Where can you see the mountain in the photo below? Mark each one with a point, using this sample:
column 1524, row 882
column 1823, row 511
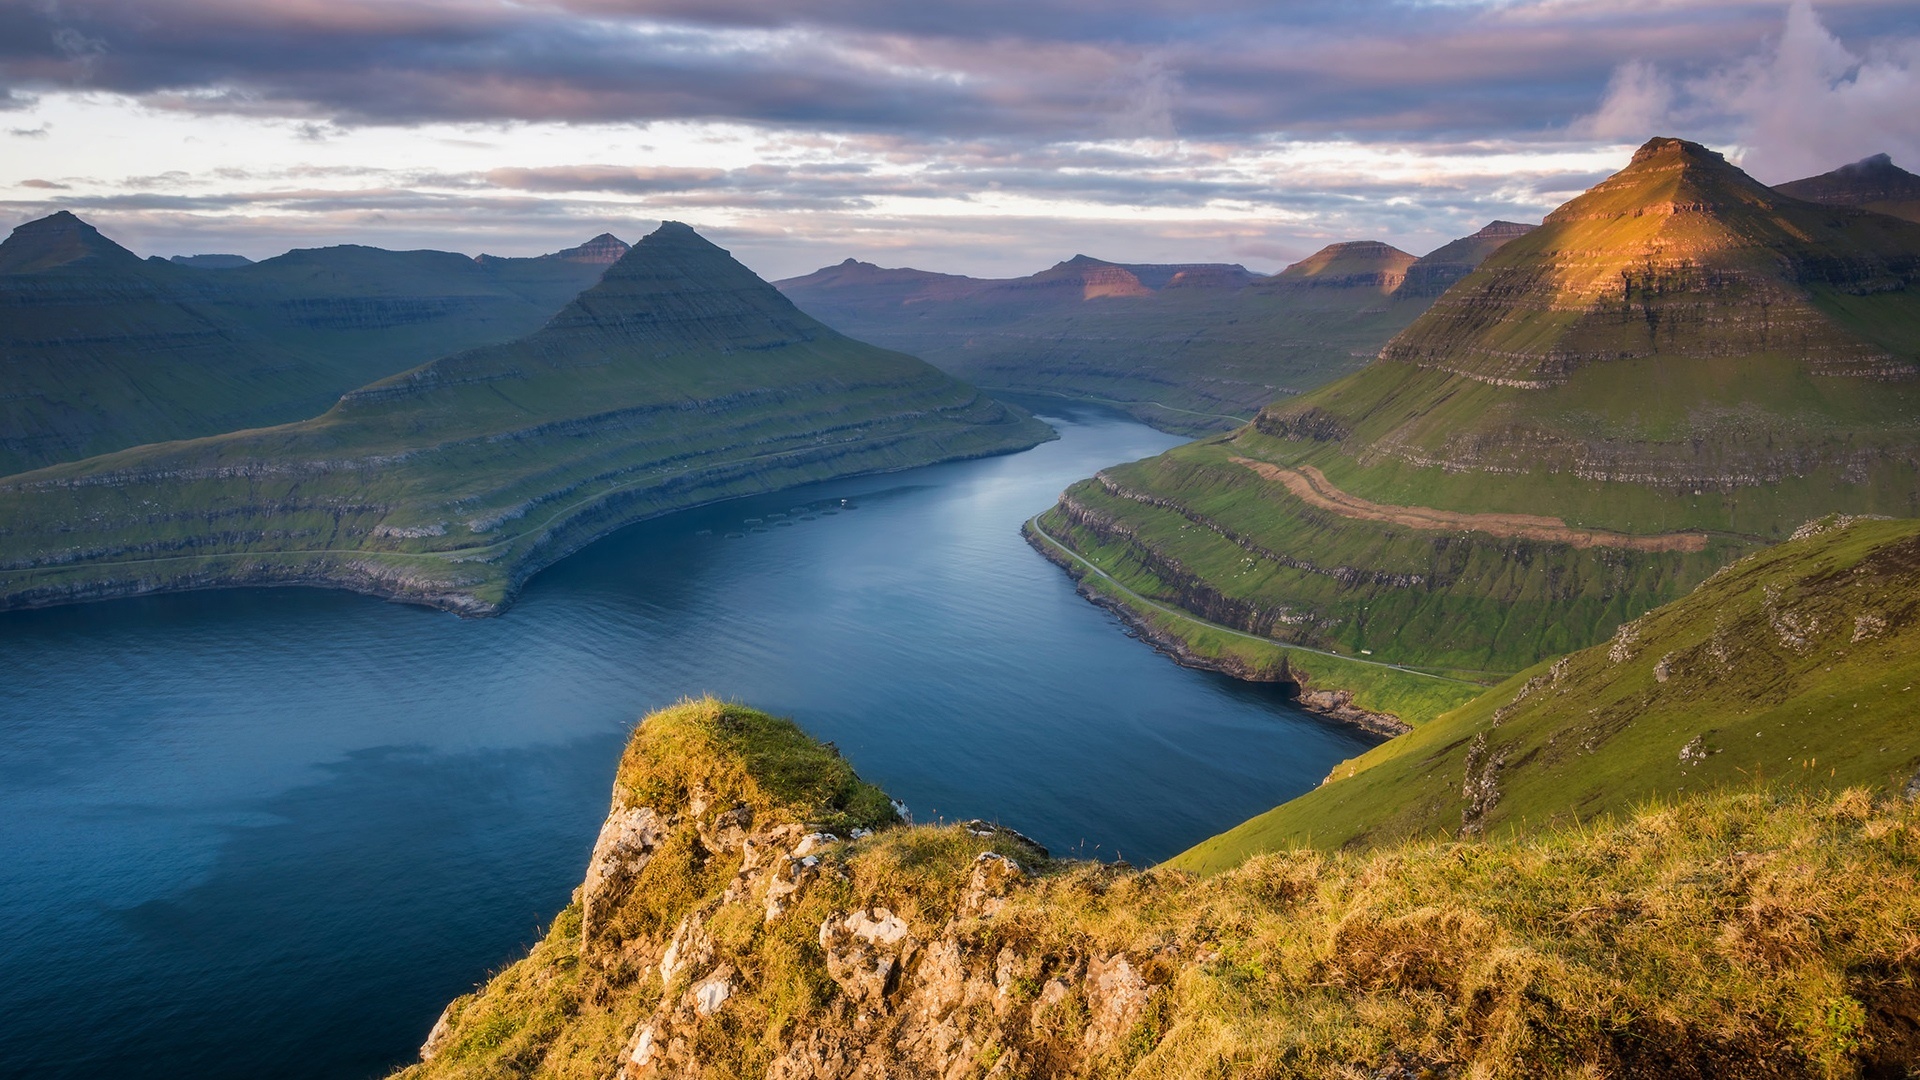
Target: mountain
column 1873, row 183
column 1191, row 347
column 603, row 250
column 211, row 262
column 752, row 908
column 679, row 379
column 101, row 350
column 1796, row 665
column 1678, row 367
column 1437, row 270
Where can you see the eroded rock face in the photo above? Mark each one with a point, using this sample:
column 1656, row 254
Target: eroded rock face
column 865, row 951
column 626, row 844
column 1117, row 998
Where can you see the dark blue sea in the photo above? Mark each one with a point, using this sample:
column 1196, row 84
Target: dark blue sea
column 264, row 833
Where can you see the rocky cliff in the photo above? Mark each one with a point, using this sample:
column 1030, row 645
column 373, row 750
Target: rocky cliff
column 752, row 909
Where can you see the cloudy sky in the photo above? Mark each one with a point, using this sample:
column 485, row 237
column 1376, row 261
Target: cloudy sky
column 980, row 136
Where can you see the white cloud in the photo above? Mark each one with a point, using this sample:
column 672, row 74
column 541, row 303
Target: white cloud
column 1805, row 104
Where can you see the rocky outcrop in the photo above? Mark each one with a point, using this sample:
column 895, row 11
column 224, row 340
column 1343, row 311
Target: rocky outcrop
column 962, row 951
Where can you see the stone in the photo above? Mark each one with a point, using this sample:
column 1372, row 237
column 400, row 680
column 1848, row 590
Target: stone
column 992, row 877
column 626, row 843
column 1117, row 997
column 713, row 991
column 866, row 950
column 690, row 947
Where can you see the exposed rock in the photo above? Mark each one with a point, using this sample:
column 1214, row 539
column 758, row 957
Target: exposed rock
column 691, row 948
column 1482, row 787
column 987, row 886
column 712, row 992
column 728, row 831
column 626, row 844
column 1694, row 752
column 1117, row 998
column 865, row 950
column 442, row 1031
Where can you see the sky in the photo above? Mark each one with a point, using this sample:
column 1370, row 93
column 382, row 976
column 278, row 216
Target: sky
column 989, row 137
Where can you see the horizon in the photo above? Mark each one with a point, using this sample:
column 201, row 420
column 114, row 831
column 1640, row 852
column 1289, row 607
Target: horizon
column 987, row 139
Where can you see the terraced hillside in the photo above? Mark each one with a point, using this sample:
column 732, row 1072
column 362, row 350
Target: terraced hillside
column 101, row 350
column 1874, row 183
column 1798, row 666
column 752, row 909
column 1679, row 367
column 1188, row 348
column 679, row 379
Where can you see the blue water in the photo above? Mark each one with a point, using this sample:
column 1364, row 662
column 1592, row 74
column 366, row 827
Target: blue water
column 271, row 832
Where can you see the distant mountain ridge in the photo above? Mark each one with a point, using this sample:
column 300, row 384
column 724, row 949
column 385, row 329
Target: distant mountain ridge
column 1190, row 347
column 1873, row 183
column 101, row 350
column 680, row 378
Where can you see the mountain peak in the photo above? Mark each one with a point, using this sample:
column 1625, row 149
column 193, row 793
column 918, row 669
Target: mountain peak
column 1502, row 230
column 56, row 240
column 1667, row 177
column 603, row 250
column 1363, row 263
column 1663, row 149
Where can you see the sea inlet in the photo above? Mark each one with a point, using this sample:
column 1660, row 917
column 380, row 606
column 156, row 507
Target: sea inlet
column 272, row 832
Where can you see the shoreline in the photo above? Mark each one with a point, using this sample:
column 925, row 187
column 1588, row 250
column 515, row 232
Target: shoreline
column 1332, row 704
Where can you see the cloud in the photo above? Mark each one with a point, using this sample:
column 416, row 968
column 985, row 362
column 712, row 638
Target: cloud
column 1067, row 69
column 1803, row 103
column 45, row 185
column 1638, row 102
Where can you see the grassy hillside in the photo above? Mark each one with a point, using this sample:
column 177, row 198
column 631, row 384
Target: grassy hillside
column 1678, row 368
column 737, row 919
column 101, row 350
column 1187, row 348
column 1797, row 666
column 679, row 379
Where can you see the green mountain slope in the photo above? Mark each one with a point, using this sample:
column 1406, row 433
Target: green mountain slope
column 1873, row 183
column 1799, row 666
column 680, row 378
column 1188, row 348
column 101, row 350
column 1676, row 368
column 738, row 919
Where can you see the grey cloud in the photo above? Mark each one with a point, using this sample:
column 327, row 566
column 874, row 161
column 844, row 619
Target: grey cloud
column 45, row 185
column 1066, row 69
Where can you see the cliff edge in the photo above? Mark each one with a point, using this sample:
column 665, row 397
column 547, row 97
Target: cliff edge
column 752, row 908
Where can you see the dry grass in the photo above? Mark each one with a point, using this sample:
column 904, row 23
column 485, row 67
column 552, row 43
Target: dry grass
column 1751, row 934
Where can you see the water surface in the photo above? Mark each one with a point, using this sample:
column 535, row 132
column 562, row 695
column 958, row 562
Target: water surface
column 270, row 832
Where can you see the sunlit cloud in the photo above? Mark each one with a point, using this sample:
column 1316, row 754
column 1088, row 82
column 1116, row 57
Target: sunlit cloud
column 983, row 136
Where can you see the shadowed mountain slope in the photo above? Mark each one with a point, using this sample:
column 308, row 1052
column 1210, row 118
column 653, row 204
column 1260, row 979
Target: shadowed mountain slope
column 1679, row 366
column 101, row 350
column 1873, row 183
column 681, row 378
column 1190, row 348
